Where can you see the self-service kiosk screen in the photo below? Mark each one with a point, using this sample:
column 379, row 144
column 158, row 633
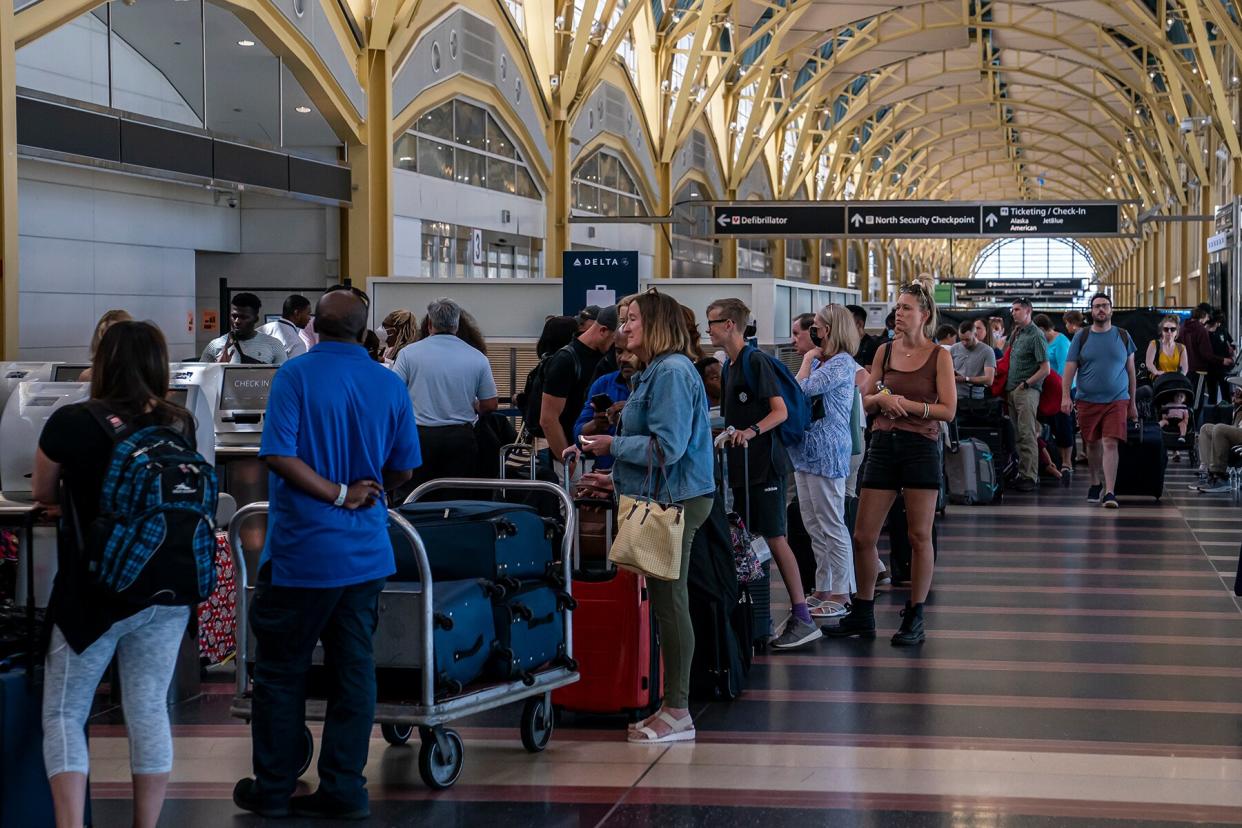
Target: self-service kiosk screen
column 178, row 396
column 246, row 389
column 68, row 373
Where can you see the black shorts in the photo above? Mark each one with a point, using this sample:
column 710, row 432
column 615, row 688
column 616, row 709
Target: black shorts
column 899, row 460
column 767, row 507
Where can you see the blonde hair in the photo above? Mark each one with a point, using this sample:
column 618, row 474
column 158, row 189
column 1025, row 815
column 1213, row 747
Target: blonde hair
column 664, row 326
column 842, row 334
column 924, row 298
column 406, row 326
column 106, row 321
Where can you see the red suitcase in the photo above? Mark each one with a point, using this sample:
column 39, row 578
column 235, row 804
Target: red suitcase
column 615, row 645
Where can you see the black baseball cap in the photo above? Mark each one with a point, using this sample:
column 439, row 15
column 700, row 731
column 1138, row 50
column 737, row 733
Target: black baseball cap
column 605, row 316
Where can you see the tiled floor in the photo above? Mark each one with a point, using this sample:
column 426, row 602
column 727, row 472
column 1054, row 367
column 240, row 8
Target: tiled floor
column 1083, row 668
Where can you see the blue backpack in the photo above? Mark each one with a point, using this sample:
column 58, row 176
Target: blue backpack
column 154, row 539
column 793, row 431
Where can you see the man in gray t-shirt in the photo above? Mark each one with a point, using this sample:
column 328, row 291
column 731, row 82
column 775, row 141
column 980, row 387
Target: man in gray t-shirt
column 243, row 344
column 974, row 362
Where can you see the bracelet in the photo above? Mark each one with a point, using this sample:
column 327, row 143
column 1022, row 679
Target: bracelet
column 926, row 410
column 340, row 498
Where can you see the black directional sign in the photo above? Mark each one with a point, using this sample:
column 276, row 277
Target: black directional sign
column 894, row 219
column 1010, row 285
column 778, row 220
column 916, row 219
column 1035, row 219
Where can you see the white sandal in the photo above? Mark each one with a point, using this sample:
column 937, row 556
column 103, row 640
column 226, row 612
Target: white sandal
column 681, row 730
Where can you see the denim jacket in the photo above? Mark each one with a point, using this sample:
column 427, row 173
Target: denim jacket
column 669, row 403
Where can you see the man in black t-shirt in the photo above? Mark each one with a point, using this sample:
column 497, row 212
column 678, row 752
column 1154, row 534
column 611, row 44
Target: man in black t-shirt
column 754, row 411
column 867, row 344
column 567, row 378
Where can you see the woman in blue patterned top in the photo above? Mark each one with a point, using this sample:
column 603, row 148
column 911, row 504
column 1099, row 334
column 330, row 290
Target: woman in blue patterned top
column 822, row 461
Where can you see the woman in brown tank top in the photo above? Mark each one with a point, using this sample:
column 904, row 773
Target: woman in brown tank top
column 910, row 390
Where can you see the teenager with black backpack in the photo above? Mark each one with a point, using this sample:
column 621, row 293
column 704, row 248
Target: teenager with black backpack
column 137, row 540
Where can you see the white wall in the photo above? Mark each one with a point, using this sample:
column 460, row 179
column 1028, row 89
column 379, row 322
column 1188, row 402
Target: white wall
column 285, row 246
column 93, row 240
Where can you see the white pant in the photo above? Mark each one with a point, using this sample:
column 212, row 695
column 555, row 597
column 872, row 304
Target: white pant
column 822, row 503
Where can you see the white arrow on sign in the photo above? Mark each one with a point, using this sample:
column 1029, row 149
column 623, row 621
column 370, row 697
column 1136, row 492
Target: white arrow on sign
column 857, row 219
column 991, row 219
column 723, row 220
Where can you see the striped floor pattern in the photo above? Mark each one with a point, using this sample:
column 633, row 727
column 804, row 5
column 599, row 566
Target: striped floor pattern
column 1083, row 668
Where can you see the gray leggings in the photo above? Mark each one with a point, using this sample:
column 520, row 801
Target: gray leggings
column 146, row 645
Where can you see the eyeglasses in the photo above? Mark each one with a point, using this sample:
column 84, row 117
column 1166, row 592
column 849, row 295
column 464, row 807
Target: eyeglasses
column 711, row 322
column 1169, row 330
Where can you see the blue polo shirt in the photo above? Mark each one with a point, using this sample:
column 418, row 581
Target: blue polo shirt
column 348, row 418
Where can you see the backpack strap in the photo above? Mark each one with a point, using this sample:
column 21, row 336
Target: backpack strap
column 112, row 425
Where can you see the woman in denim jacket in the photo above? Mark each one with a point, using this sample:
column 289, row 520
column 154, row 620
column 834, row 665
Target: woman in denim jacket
column 669, row 405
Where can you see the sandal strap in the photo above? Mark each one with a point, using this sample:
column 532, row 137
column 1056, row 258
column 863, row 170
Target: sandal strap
column 675, row 725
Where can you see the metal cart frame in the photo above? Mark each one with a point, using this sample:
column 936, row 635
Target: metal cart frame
column 442, row 754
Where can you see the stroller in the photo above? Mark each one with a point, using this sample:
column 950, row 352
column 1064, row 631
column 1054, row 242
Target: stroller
column 1163, row 392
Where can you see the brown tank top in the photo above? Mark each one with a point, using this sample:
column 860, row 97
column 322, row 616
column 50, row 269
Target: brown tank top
column 918, row 385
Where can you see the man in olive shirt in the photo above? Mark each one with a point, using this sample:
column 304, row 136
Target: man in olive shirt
column 1028, row 365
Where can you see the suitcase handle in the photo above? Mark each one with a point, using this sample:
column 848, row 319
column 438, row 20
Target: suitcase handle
column 532, row 623
column 458, row 655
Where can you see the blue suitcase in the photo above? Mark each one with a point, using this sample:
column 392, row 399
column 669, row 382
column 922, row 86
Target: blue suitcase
column 530, row 630
column 501, row 542
column 25, row 797
column 465, row 635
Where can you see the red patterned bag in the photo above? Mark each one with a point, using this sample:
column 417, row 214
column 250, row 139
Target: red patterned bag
column 216, row 615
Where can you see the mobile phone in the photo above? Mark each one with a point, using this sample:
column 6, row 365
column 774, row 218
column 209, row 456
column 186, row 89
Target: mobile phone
column 601, row 402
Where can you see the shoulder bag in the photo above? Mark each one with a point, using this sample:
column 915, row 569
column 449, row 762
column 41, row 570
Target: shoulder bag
column 649, row 533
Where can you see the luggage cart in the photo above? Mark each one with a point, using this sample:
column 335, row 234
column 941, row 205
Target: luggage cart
column 442, row 754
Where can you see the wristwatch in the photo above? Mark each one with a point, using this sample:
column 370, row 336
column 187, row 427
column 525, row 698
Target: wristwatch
column 340, row 498
column 755, row 428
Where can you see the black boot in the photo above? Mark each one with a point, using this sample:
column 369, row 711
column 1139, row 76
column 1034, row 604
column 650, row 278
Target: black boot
column 859, row 621
column 911, row 631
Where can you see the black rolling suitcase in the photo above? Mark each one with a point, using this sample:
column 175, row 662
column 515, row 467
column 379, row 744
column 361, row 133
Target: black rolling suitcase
column 899, row 551
column 720, row 612
column 800, row 542
column 760, row 589
column 1141, row 461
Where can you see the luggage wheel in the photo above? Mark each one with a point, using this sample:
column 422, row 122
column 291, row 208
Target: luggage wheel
column 443, row 621
column 308, row 746
column 441, row 757
column 537, row 723
column 396, row 734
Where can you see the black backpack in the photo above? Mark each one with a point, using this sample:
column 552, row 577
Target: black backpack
column 531, row 398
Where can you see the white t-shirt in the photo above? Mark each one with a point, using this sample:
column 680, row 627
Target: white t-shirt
column 289, row 334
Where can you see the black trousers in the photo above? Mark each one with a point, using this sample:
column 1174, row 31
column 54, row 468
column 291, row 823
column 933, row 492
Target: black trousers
column 286, row 623
column 448, row 451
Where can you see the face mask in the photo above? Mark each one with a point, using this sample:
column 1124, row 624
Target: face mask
column 816, row 339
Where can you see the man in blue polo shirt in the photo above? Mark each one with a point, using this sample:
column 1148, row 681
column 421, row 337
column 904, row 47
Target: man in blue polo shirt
column 332, row 454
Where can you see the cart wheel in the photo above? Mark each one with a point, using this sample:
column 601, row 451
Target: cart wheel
column 536, row 725
column 396, row 734
column 437, row 770
column 308, row 746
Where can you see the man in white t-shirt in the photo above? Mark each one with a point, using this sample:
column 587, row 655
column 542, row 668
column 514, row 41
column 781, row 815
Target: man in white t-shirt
column 290, row 327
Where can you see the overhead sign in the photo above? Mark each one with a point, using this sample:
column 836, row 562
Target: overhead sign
column 776, row 220
column 1018, row 286
column 1036, row 219
column 913, row 220
column 917, row 219
column 597, row 277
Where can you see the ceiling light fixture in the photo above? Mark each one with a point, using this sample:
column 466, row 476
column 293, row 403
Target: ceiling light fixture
column 302, row 110
column 246, row 43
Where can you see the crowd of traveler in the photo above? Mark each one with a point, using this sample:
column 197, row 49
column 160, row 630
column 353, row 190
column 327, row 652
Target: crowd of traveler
column 616, row 385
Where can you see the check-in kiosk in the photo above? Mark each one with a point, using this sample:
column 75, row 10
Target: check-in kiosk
column 13, row 374
column 28, row 409
column 196, row 387
column 240, row 408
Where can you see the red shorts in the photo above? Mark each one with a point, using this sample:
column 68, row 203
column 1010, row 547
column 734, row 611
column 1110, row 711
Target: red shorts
column 1099, row 420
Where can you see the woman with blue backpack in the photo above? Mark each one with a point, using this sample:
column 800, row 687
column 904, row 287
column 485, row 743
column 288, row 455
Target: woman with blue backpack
column 139, row 608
